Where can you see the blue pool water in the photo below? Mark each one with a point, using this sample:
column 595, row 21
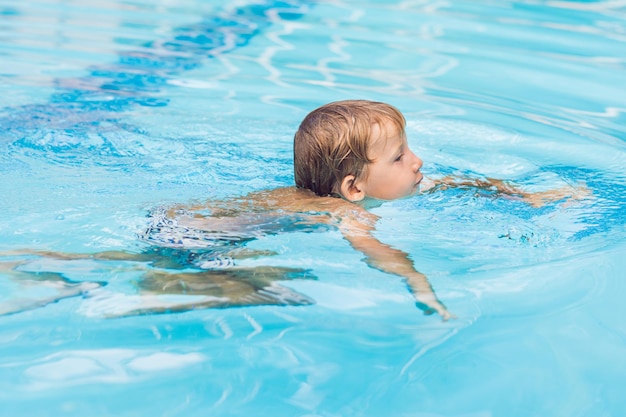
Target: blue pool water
column 112, row 108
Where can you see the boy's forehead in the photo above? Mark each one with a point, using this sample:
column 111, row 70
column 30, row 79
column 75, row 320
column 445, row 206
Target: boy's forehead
column 385, row 134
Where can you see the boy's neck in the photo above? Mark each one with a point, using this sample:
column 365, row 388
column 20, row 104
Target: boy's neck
column 369, row 203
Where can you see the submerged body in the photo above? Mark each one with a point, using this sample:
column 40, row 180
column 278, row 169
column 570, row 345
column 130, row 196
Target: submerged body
column 194, row 250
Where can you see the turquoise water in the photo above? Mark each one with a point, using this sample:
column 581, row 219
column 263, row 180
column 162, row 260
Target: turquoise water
column 111, row 109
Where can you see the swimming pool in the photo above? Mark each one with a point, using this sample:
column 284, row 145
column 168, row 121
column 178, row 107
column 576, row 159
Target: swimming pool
column 114, row 108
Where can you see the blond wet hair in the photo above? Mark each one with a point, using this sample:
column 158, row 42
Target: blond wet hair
column 332, row 142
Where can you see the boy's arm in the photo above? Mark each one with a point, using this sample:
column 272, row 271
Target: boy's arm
column 535, row 199
column 388, row 259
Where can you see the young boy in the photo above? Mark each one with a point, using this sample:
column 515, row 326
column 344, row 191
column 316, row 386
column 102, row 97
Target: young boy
column 347, row 154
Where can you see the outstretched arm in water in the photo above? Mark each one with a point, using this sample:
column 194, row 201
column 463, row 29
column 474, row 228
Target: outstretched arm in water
column 511, row 190
column 393, row 261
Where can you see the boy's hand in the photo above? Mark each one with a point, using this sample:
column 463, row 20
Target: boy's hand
column 429, row 304
column 541, row 198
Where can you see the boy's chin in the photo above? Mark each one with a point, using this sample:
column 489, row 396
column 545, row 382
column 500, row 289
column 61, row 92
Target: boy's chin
column 417, row 188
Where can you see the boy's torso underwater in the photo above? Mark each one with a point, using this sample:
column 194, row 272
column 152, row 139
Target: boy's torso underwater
column 192, row 258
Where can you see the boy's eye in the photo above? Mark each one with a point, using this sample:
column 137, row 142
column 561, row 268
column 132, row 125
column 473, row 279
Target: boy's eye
column 399, row 158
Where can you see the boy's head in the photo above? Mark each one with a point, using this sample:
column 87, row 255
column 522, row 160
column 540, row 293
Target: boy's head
column 337, row 144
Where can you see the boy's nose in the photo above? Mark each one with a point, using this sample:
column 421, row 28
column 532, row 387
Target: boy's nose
column 417, row 163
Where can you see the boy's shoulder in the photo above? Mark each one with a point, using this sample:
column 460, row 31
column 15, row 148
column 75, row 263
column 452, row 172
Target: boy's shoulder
column 349, row 217
column 301, row 200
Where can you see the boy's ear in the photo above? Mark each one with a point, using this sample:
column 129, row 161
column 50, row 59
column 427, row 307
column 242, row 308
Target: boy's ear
column 350, row 189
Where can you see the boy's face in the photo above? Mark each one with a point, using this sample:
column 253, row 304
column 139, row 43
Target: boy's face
column 395, row 172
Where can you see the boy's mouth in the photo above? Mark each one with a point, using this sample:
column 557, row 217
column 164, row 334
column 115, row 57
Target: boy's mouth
column 416, row 186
